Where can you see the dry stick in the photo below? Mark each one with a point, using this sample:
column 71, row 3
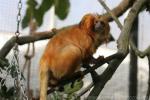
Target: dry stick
column 123, row 43
column 111, row 14
column 139, row 53
column 23, row 40
column 120, row 9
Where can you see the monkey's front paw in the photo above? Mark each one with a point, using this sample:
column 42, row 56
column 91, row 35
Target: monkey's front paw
column 100, row 59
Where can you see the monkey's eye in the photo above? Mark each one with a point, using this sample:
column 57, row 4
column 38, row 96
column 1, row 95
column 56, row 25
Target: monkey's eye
column 96, row 21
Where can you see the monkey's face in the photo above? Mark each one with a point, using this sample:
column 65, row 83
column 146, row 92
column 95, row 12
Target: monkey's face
column 93, row 22
column 98, row 25
column 101, row 26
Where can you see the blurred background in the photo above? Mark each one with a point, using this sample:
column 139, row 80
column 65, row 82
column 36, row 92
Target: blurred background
column 117, row 87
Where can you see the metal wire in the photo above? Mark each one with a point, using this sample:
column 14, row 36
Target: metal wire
column 18, row 81
column 18, row 17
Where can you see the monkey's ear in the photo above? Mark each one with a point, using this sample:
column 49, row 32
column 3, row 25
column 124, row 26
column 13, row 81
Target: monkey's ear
column 82, row 22
column 87, row 23
column 110, row 38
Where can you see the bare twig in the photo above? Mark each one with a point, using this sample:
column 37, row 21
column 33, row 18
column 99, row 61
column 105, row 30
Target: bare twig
column 120, row 9
column 139, row 53
column 111, row 13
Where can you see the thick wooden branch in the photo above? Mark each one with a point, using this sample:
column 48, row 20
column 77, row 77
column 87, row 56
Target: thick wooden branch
column 111, row 14
column 123, row 41
column 23, row 40
column 148, row 90
column 120, row 9
column 142, row 54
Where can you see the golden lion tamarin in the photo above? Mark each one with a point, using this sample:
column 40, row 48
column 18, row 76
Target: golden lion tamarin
column 69, row 48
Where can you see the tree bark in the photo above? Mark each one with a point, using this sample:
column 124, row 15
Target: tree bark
column 133, row 71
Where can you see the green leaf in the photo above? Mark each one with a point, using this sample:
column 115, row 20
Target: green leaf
column 62, row 8
column 3, row 63
column 4, row 89
column 10, row 92
column 44, row 7
column 77, row 86
column 32, row 4
column 26, row 19
column 30, row 12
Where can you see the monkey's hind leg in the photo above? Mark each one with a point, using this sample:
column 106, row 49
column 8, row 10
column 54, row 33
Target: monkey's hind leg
column 43, row 83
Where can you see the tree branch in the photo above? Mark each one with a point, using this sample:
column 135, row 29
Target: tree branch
column 148, row 90
column 139, row 53
column 111, row 14
column 23, row 40
column 142, row 54
column 125, row 33
column 120, row 9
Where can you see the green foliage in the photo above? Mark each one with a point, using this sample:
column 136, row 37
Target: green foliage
column 37, row 11
column 3, row 63
column 71, row 90
column 76, row 87
column 62, row 8
column 30, row 12
column 7, row 93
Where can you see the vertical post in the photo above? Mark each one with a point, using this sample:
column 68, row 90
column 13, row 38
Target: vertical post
column 133, row 70
column 52, row 17
column 148, row 90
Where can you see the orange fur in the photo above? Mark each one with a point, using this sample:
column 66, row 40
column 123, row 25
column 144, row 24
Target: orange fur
column 67, row 49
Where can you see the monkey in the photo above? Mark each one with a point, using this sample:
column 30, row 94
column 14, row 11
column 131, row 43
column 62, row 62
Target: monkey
column 70, row 47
